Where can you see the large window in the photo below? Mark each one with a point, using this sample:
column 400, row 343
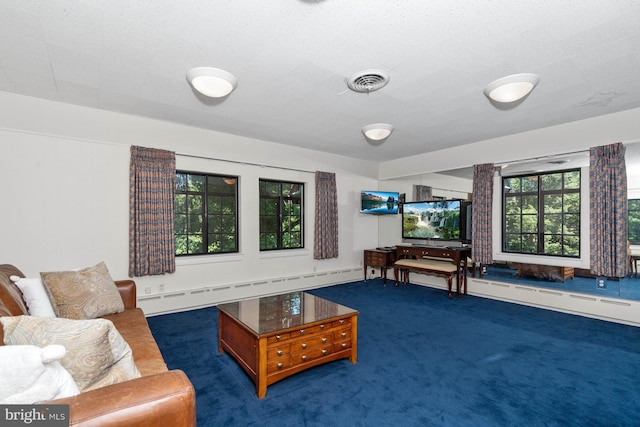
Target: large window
column 634, row 221
column 206, row 214
column 281, row 215
column 542, row 214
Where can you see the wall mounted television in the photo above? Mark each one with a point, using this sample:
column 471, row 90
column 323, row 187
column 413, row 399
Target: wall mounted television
column 433, row 220
column 379, row 202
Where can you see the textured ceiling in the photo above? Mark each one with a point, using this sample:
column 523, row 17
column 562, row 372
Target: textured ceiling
column 292, row 57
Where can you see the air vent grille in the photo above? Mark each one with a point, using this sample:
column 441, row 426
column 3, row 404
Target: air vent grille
column 368, row 81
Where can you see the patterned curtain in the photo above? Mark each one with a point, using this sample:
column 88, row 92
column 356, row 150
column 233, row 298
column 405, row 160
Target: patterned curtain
column 326, row 228
column 152, row 175
column 609, row 217
column 481, row 222
column 422, row 193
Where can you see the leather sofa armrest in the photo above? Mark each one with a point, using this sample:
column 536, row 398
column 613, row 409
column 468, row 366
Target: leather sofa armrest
column 127, row 289
column 166, row 399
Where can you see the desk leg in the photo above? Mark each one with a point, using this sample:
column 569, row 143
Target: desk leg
column 395, row 274
column 464, row 275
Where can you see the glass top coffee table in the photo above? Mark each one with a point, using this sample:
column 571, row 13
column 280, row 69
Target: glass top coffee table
column 277, row 336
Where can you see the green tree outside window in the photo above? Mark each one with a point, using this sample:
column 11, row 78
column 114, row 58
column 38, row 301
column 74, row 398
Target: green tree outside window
column 542, row 214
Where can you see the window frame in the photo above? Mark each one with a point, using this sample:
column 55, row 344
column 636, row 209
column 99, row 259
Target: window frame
column 630, row 234
column 206, row 215
column 279, row 220
column 541, row 213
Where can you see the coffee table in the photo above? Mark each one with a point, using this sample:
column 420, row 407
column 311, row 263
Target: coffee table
column 278, row 336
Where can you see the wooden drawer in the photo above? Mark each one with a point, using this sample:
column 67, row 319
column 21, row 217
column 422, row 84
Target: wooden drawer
column 343, row 334
column 279, row 351
column 278, row 338
column 278, row 364
column 311, row 342
column 341, row 323
column 342, row 345
column 310, row 330
column 311, row 354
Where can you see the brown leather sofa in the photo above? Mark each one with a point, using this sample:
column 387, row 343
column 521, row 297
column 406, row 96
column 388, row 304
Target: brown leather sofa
column 158, row 397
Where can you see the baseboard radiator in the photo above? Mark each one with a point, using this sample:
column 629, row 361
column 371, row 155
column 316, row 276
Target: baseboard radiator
column 206, row 296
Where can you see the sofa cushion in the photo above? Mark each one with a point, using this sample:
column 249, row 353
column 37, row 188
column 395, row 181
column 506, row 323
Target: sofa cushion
column 97, row 355
column 84, row 294
column 34, row 295
column 134, row 328
column 31, row 374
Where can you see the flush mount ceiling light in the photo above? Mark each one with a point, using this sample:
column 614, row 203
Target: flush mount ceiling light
column 377, row 131
column 511, row 88
column 212, row 82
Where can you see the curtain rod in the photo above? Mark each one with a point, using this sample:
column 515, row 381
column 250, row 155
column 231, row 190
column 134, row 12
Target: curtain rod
column 531, row 159
column 239, row 162
column 551, row 156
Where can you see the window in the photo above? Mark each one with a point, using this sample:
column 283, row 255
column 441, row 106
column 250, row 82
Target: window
column 206, row 214
column 634, row 221
column 281, row 215
column 542, row 214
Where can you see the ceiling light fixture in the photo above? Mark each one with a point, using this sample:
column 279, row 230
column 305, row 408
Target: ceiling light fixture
column 212, row 82
column 377, row 131
column 511, row 88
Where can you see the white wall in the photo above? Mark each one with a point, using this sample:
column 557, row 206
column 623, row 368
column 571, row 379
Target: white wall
column 565, row 138
column 65, row 172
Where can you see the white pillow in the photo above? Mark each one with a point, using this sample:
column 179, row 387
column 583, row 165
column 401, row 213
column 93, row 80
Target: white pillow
column 35, row 296
column 31, row 374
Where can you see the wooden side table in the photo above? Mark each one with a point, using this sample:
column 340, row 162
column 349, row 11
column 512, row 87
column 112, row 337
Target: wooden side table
column 379, row 258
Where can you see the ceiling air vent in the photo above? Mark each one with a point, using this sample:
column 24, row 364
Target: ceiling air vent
column 368, row 81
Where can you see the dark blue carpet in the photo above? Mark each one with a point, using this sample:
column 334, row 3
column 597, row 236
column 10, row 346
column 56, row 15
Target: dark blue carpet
column 425, row 360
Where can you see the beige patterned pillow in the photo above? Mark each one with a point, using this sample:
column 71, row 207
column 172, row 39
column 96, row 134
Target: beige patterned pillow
column 83, row 294
column 97, row 355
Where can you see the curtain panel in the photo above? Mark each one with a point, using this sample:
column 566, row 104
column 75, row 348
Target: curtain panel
column 422, row 193
column 481, row 222
column 152, row 175
column 325, row 244
column 608, row 210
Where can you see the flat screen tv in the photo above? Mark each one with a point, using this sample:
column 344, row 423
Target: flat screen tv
column 379, row 202
column 435, row 219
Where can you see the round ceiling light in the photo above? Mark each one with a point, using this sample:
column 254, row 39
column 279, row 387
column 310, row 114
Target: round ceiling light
column 511, row 88
column 377, row 131
column 212, row 82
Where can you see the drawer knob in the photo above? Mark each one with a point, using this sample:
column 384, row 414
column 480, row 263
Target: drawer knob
column 324, row 352
column 278, row 337
column 344, row 335
column 304, row 345
column 279, row 352
column 304, row 358
column 324, row 340
column 344, row 345
column 301, row 331
column 342, row 321
column 321, row 326
column 280, row 365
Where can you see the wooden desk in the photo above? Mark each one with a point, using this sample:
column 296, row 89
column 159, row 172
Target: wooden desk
column 458, row 257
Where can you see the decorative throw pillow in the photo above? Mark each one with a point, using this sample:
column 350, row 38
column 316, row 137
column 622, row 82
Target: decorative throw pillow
column 83, row 294
column 31, row 374
column 35, row 296
column 97, row 355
